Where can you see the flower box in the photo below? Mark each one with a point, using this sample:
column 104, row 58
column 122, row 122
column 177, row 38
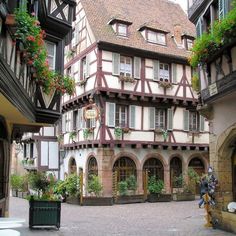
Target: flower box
column 159, row 197
column 130, row 199
column 97, row 201
column 127, row 79
column 165, row 84
column 183, row 196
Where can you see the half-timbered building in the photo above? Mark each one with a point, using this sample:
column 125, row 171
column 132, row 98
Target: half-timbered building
column 24, row 107
column 217, row 81
column 134, row 108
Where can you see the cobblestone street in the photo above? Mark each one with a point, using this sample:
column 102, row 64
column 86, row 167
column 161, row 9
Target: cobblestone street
column 171, row 219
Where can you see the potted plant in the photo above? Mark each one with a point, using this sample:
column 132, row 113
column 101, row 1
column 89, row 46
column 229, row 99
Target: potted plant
column 23, row 186
column 127, row 191
column 165, row 83
column 45, row 208
column 94, row 189
column 15, row 181
column 72, row 184
column 87, row 132
column 127, row 79
column 118, row 132
column 155, row 187
column 72, row 135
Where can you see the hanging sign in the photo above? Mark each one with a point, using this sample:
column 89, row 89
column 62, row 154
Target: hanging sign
column 91, row 111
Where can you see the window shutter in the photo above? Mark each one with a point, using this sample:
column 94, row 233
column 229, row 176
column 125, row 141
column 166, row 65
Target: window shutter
column 169, row 119
column 63, row 123
column 152, row 117
column 79, row 70
column 199, row 28
column 202, row 124
column 111, row 114
column 132, row 117
column 115, row 64
column 137, row 67
column 186, row 120
column 155, row 70
column 78, row 122
column 174, row 73
column 71, row 120
column 221, row 9
column 87, row 65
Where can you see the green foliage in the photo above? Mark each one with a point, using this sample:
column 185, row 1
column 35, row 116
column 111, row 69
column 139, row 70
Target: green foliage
column 178, row 181
column 131, row 183
column 193, row 179
column 72, row 183
column 31, row 37
column 222, row 33
column 60, row 188
column 15, row 181
column 72, row 135
column 123, row 188
column 155, row 185
column 195, row 82
column 38, row 181
column 94, row 185
column 118, row 132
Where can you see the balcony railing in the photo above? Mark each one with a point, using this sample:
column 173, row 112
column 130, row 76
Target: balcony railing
column 220, row 88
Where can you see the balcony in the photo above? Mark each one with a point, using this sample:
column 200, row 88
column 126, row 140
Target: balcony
column 196, row 8
column 220, row 88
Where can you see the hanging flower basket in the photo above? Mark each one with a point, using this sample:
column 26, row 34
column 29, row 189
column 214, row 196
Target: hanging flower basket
column 165, row 84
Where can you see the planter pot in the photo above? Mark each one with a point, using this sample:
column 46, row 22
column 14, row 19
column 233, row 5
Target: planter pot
column 24, row 194
column 159, row 198
column 73, row 200
column 14, row 193
column 130, row 199
column 20, row 194
column 44, row 213
column 97, row 201
column 183, row 197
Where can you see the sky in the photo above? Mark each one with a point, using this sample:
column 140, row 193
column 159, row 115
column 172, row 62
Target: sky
column 182, row 3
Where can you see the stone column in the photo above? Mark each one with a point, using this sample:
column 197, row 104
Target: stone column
column 104, row 157
column 167, row 179
column 140, row 181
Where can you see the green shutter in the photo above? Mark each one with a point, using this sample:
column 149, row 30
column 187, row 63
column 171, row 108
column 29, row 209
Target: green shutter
column 87, row 66
column 132, row 117
column 202, row 124
column 174, row 73
column 170, row 119
column 111, row 114
column 221, row 9
column 115, row 64
column 137, row 67
column 199, row 28
column 63, row 123
column 155, row 70
column 186, row 121
column 152, row 117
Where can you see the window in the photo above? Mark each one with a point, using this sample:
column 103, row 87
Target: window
column 154, row 167
column 51, row 54
column 84, row 67
column 156, row 37
column 160, row 118
column 68, row 121
column 92, row 167
column 75, row 119
column 193, row 121
column 121, row 116
column 164, row 72
column 126, row 66
column 189, row 44
column 122, row 29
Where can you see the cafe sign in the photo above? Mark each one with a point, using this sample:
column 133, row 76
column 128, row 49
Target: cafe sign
column 91, row 111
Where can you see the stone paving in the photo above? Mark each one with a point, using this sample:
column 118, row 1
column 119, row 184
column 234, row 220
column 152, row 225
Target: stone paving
column 146, row 219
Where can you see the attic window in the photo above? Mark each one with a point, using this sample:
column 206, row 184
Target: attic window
column 122, row 29
column 189, row 44
column 156, row 37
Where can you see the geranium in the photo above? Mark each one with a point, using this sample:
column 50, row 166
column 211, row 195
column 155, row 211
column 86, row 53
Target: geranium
column 31, row 36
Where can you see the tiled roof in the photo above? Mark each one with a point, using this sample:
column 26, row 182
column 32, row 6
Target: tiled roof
column 140, row 13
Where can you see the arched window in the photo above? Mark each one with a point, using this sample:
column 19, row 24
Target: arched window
column 125, row 167
column 154, row 167
column 175, row 169
column 92, row 167
column 72, row 166
column 197, row 165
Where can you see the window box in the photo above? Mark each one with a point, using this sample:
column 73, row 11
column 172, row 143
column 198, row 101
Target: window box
column 165, row 84
column 159, row 197
column 126, row 130
column 126, row 79
column 97, row 201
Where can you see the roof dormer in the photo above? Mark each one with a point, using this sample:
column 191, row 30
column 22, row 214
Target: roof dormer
column 154, row 35
column 120, row 26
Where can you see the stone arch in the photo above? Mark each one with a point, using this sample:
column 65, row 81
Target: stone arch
column 154, row 167
column 201, row 158
column 225, row 161
column 154, row 155
column 72, row 166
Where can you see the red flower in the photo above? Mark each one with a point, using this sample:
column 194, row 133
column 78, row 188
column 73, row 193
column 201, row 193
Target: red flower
column 30, row 38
